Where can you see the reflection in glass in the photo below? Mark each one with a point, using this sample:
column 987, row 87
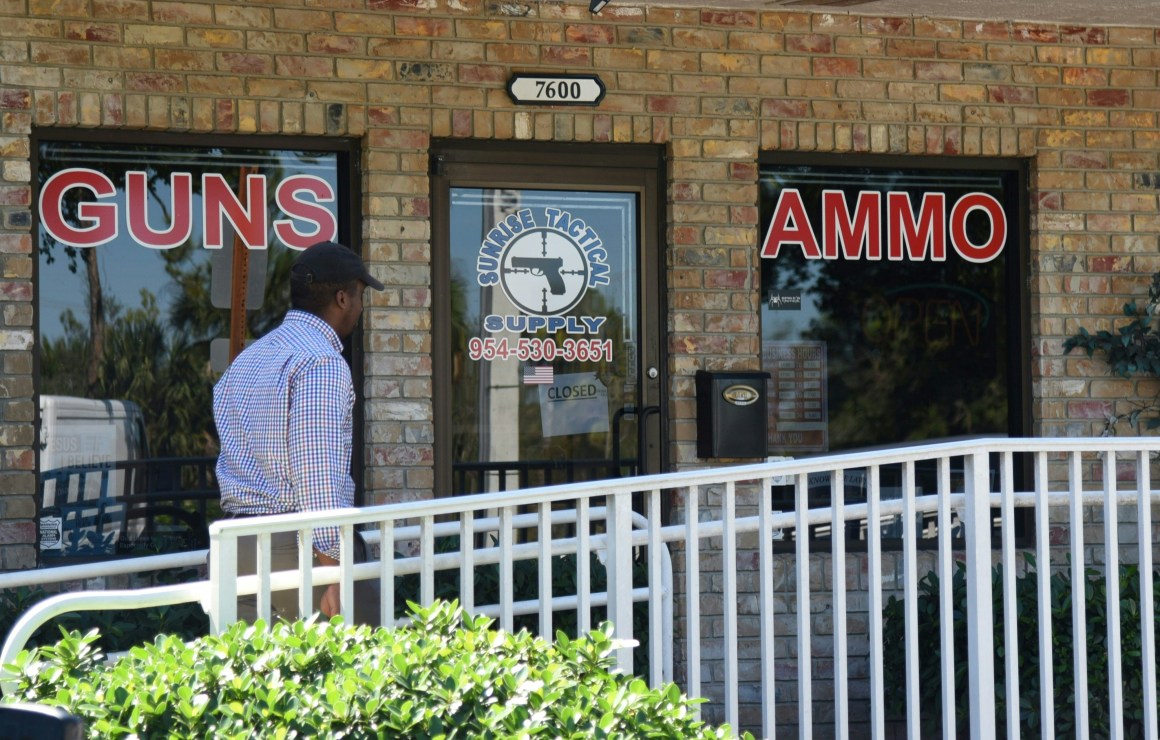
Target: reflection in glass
column 869, row 352
column 878, row 351
column 543, row 292
column 129, row 322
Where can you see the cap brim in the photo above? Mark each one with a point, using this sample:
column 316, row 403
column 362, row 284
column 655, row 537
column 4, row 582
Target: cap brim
column 371, row 282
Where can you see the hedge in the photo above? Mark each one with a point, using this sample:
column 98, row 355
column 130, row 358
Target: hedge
column 1027, row 611
column 447, row 675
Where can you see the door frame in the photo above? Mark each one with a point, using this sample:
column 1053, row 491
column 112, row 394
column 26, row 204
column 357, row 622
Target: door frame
column 640, row 168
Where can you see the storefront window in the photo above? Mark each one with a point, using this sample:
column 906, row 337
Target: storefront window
column 891, row 305
column 157, row 262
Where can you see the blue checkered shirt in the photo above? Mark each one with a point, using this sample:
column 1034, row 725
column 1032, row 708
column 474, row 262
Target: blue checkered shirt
column 284, row 413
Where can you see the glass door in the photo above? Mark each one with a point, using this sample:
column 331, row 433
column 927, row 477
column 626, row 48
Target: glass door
column 547, row 351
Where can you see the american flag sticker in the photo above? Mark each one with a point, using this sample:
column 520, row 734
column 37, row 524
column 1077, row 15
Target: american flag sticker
column 538, row 375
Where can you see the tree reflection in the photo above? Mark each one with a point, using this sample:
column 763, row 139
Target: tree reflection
column 915, row 349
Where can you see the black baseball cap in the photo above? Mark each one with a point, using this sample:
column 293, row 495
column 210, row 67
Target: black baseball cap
column 331, row 262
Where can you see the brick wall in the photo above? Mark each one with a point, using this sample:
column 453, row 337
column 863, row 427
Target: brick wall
column 716, row 88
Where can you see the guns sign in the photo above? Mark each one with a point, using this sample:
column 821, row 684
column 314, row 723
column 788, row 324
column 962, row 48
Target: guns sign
column 544, row 266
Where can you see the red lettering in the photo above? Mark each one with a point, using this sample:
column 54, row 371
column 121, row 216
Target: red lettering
column 325, row 227
column 990, row 249
column 180, row 206
column 247, row 215
column 301, row 198
column 929, row 231
column 866, row 228
column 909, row 236
column 102, row 217
column 790, row 206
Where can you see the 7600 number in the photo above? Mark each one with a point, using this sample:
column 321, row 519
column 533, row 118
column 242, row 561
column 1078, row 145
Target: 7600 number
column 558, row 90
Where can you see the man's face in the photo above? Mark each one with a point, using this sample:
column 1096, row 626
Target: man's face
column 352, row 308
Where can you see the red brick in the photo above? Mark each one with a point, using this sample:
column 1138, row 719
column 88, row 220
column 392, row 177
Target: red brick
column 17, row 532
column 185, row 14
column 15, row 196
column 16, row 290
column 1085, row 160
column 672, row 104
column 836, row 67
column 569, row 55
column 1109, row 98
column 887, row 26
column 226, row 115
column 102, row 32
column 1089, row 409
column 727, row 279
column 408, row 26
column 735, row 18
column 16, row 99
column 1109, row 263
column 743, row 171
column 590, row 34
column 489, row 74
column 811, row 44
column 382, row 116
column 154, row 83
column 332, row 44
column 1083, row 35
column 420, row 5
column 686, row 235
column 1011, row 94
column 1049, row 201
column 1035, row 33
column 297, row 66
column 993, row 30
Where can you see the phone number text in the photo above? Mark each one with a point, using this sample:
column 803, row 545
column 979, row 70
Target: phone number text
column 539, row 350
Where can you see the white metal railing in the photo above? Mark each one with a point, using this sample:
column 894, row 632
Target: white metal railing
column 102, row 568
column 425, row 564
column 776, row 601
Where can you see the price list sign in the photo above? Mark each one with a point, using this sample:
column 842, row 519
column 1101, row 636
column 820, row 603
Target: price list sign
column 798, row 414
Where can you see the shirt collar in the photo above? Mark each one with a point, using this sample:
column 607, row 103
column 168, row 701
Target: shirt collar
column 308, row 319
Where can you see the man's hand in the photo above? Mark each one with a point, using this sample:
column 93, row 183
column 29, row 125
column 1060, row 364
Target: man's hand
column 330, row 604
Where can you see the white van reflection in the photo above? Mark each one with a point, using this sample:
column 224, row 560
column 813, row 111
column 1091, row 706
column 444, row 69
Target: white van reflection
column 81, row 440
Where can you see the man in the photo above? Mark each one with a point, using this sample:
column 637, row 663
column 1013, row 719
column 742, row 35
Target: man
column 284, row 414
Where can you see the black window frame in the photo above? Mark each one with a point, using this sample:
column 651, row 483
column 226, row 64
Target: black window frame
column 1017, row 300
column 348, row 153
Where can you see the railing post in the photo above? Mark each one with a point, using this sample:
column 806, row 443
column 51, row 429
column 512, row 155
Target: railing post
column 980, row 612
column 223, row 581
column 619, row 569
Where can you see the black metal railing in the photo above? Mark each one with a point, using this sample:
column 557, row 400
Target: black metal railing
column 128, row 507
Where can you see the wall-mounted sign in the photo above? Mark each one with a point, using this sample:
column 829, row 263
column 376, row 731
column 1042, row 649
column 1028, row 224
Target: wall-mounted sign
column 562, row 89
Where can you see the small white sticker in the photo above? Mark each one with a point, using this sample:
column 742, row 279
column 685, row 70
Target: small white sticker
column 51, row 533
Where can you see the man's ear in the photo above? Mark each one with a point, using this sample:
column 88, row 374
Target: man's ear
column 341, row 298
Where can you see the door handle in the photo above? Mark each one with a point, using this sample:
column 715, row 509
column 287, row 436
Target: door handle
column 641, row 415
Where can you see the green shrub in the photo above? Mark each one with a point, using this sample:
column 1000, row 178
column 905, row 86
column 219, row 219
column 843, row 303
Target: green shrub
column 447, row 675
column 1027, row 608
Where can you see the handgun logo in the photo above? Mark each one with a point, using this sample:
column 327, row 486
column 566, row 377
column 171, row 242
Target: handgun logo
column 543, row 272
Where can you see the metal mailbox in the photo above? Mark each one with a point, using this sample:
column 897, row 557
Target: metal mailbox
column 732, row 414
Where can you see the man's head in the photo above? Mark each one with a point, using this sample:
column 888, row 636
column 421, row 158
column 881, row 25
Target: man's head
column 327, row 280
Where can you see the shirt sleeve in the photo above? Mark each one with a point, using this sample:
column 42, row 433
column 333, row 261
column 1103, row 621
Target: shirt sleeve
column 319, row 442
